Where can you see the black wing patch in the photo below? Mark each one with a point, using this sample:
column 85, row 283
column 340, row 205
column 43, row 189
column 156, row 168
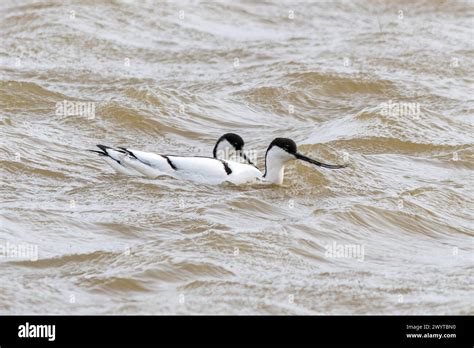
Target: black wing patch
column 226, row 167
column 124, row 150
column 105, row 153
column 169, row 162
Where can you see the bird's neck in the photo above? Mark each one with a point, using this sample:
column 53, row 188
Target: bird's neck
column 274, row 173
column 215, row 154
column 222, row 150
column 275, row 161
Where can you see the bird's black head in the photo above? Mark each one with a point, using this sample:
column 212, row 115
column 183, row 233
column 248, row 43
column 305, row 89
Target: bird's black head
column 285, row 144
column 289, row 146
column 235, row 140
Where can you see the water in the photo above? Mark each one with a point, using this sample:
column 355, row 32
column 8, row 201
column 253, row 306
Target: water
column 391, row 234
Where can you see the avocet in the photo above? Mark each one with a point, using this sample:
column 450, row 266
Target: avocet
column 211, row 170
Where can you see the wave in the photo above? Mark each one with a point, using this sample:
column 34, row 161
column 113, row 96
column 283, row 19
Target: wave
column 425, row 128
column 68, row 260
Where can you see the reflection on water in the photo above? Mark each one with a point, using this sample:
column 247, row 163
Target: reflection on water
column 386, row 86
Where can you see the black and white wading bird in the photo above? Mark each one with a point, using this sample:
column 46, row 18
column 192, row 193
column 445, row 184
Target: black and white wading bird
column 211, row 170
column 230, row 146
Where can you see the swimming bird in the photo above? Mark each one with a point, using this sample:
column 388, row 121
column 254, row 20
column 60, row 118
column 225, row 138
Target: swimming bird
column 279, row 153
column 210, row 170
column 228, row 146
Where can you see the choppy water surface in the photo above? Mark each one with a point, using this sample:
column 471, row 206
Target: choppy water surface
column 173, row 77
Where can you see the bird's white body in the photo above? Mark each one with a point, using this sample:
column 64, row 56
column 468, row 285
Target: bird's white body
column 209, row 170
column 120, row 168
column 199, row 169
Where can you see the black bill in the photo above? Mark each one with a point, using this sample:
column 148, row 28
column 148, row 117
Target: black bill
column 310, row 160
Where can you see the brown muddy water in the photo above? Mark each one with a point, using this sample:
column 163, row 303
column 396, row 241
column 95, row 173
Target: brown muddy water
column 387, row 86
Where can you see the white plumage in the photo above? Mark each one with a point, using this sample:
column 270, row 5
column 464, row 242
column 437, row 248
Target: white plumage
column 207, row 169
